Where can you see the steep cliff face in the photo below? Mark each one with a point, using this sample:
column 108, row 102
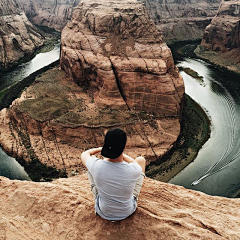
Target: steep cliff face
column 64, row 209
column 18, row 37
column 223, row 33
column 118, row 73
column 51, row 13
column 181, row 20
column 116, row 49
column 223, row 36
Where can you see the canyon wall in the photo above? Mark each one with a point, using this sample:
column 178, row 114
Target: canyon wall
column 177, row 20
column 18, row 37
column 117, row 73
column 64, row 209
column 222, row 37
column 181, row 20
column 114, row 48
column 50, row 13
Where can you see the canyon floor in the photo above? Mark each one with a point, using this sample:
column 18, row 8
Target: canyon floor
column 54, row 101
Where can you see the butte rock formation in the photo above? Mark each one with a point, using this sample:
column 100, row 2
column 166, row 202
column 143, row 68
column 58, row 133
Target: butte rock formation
column 118, row 72
column 50, row 13
column 181, row 20
column 113, row 47
column 222, row 37
column 18, row 37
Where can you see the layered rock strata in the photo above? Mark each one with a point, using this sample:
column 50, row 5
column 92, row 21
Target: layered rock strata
column 222, row 37
column 18, row 37
column 113, row 47
column 64, row 209
column 117, row 73
column 55, row 120
column 181, row 20
column 50, row 13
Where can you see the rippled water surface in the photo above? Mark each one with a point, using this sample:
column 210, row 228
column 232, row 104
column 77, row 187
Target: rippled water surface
column 9, row 167
column 216, row 170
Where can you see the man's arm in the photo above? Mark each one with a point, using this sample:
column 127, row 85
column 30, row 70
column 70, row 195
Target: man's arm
column 140, row 160
column 127, row 158
column 86, row 154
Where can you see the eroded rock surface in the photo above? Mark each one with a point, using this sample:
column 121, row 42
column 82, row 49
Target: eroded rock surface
column 50, row 13
column 18, row 37
column 181, row 20
column 222, row 37
column 64, row 209
column 113, row 47
column 55, row 120
column 117, row 73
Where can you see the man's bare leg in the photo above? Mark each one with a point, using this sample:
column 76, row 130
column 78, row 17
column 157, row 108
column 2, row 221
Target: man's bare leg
column 142, row 162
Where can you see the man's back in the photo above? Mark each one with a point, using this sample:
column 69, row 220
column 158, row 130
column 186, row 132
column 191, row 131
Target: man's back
column 115, row 182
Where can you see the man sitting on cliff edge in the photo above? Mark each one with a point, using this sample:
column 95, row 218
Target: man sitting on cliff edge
column 116, row 181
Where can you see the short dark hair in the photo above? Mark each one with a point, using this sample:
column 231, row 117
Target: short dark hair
column 114, row 143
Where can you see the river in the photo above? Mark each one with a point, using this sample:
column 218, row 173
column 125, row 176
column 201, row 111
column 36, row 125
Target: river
column 9, row 167
column 218, row 95
column 216, row 170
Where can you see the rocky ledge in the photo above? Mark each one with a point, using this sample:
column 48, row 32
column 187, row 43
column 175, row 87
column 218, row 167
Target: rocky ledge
column 64, row 209
column 18, row 37
column 221, row 41
column 117, row 73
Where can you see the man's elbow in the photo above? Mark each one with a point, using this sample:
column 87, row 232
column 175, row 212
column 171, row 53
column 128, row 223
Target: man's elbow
column 83, row 158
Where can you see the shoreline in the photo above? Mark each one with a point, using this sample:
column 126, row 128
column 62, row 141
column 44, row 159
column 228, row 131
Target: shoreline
column 171, row 167
column 220, row 60
column 194, row 133
column 195, row 127
column 50, row 40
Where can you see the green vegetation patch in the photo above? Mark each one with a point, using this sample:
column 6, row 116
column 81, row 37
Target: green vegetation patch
column 192, row 73
column 99, row 117
column 44, row 109
column 53, row 97
column 3, row 93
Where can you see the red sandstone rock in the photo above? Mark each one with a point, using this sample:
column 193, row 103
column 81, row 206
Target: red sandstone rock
column 49, row 13
column 64, row 209
column 127, row 79
column 223, row 33
column 28, row 130
column 222, row 37
column 114, row 47
column 18, row 37
column 181, row 20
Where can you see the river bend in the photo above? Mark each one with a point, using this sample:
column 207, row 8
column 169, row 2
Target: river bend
column 218, row 162
column 9, row 167
column 218, row 95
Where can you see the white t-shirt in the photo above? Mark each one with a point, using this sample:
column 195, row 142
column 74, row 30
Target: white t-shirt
column 115, row 183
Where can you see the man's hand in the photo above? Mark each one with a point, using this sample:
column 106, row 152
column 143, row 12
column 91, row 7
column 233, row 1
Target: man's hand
column 86, row 154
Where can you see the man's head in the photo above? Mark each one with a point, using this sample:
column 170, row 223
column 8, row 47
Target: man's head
column 114, row 143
